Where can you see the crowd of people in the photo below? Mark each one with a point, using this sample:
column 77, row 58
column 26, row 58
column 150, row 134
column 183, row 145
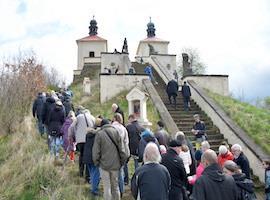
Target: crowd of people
column 166, row 167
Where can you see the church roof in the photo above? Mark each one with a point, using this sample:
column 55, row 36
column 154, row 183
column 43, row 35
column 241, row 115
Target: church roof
column 91, row 38
column 153, row 39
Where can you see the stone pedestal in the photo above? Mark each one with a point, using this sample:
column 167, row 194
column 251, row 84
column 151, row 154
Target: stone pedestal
column 86, row 86
column 137, row 106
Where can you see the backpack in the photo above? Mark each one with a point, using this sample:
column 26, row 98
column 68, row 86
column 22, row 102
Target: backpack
column 246, row 195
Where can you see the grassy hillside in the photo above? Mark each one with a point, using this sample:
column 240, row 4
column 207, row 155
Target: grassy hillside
column 28, row 171
column 255, row 121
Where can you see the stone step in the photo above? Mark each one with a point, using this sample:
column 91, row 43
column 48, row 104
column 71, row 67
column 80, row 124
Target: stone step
column 209, row 137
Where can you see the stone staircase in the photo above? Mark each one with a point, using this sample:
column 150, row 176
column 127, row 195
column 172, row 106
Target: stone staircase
column 184, row 119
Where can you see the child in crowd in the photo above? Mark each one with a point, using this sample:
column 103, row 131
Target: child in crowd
column 266, row 164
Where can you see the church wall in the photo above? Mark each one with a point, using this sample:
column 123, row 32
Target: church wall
column 112, row 85
column 160, row 47
column 215, row 83
column 85, row 47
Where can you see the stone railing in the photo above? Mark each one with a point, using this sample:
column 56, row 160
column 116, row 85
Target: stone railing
column 229, row 129
column 161, row 108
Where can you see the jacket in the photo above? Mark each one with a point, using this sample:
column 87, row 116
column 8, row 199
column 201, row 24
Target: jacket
column 243, row 163
column 200, row 127
column 146, row 137
column 186, row 91
column 214, row 185
column 64, row 132
column 134, row 135
column 38, row 106
column 118, row 110
column 151, row 181
column 175, row 166
column 49, row 104
column 222, row 158
column 162, row 137
column 105, row 153
column 267, row 181
column 198, row 174
column 88, row 147
column 80, row 125
column 172, row 87
column 245, row 187
column 56, row 119
column 68, row 106
column 124, row 135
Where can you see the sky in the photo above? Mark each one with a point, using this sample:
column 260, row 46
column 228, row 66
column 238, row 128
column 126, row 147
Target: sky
column 232, row 36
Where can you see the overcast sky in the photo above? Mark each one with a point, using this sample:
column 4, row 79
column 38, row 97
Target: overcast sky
column 232, row 36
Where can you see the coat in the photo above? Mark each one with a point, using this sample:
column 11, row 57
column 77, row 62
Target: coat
column 172, row 87
column 118, row 110
column 134, row 135
column 38, row 106
column 146, row 137
column 56, row 119
column 80, row 125
column 105, row 153
column 151, row 181
column 222, row 158
column 198, row 174
column 48, row 105
column 243, row 163
column 214, row 185
column 175, row 166
column 162, row 137
column 88, row 147
column 244, row 186
column 68, row 106
column 186, row 91
column 124, row 135
column 64, row 132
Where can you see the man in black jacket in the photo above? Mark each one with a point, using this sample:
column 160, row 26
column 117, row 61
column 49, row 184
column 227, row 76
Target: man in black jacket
column 240, row 159
column 175, row 166
column 214, row 184
column 172, row 90
column 152, row 180
column 186, row 95
column 37, row 111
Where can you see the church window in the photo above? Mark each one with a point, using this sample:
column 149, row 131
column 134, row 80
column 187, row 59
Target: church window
column 91, row 54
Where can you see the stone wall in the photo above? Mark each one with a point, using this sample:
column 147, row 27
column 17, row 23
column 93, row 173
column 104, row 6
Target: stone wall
column 229, row 129
column 121, row 60
column 215, row 83
column 112, row 85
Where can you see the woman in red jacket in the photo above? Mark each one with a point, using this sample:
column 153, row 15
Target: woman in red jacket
column 224, row 155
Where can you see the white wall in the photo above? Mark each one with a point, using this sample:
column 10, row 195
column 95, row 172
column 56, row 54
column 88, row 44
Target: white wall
column 160, row 47
column 164, row 60
column 112, row 85
column 85, row 47
column 215, row 83
column 121, row 60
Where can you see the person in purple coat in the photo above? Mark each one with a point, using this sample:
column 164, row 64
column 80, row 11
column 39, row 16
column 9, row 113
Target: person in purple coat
column 68, row 145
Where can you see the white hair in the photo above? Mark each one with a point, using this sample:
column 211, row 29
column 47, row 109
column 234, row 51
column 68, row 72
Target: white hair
column 222, row 149
column 236, row 147
column 179, row 133
column 205, row 145
column 151, row 153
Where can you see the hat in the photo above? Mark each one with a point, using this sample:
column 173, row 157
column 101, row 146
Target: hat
column 198, row 155
column 175, row 143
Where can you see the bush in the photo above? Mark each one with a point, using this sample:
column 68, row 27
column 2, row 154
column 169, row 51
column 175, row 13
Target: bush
column 21, row 78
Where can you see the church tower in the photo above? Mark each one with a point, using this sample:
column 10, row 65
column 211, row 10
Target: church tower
column 152, row 45
column 90, row 48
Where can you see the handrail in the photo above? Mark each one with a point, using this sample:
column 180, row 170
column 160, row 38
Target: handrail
column 240, row 133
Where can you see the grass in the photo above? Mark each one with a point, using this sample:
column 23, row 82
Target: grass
column 254, row 121
column 28, row 172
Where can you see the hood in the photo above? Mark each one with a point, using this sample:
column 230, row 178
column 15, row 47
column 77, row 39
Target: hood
column 146, row 133
column 148, row 136
column 68, row 121
column 50, row 100
column 58, row 108
column 214, row 173
column 244, row 183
